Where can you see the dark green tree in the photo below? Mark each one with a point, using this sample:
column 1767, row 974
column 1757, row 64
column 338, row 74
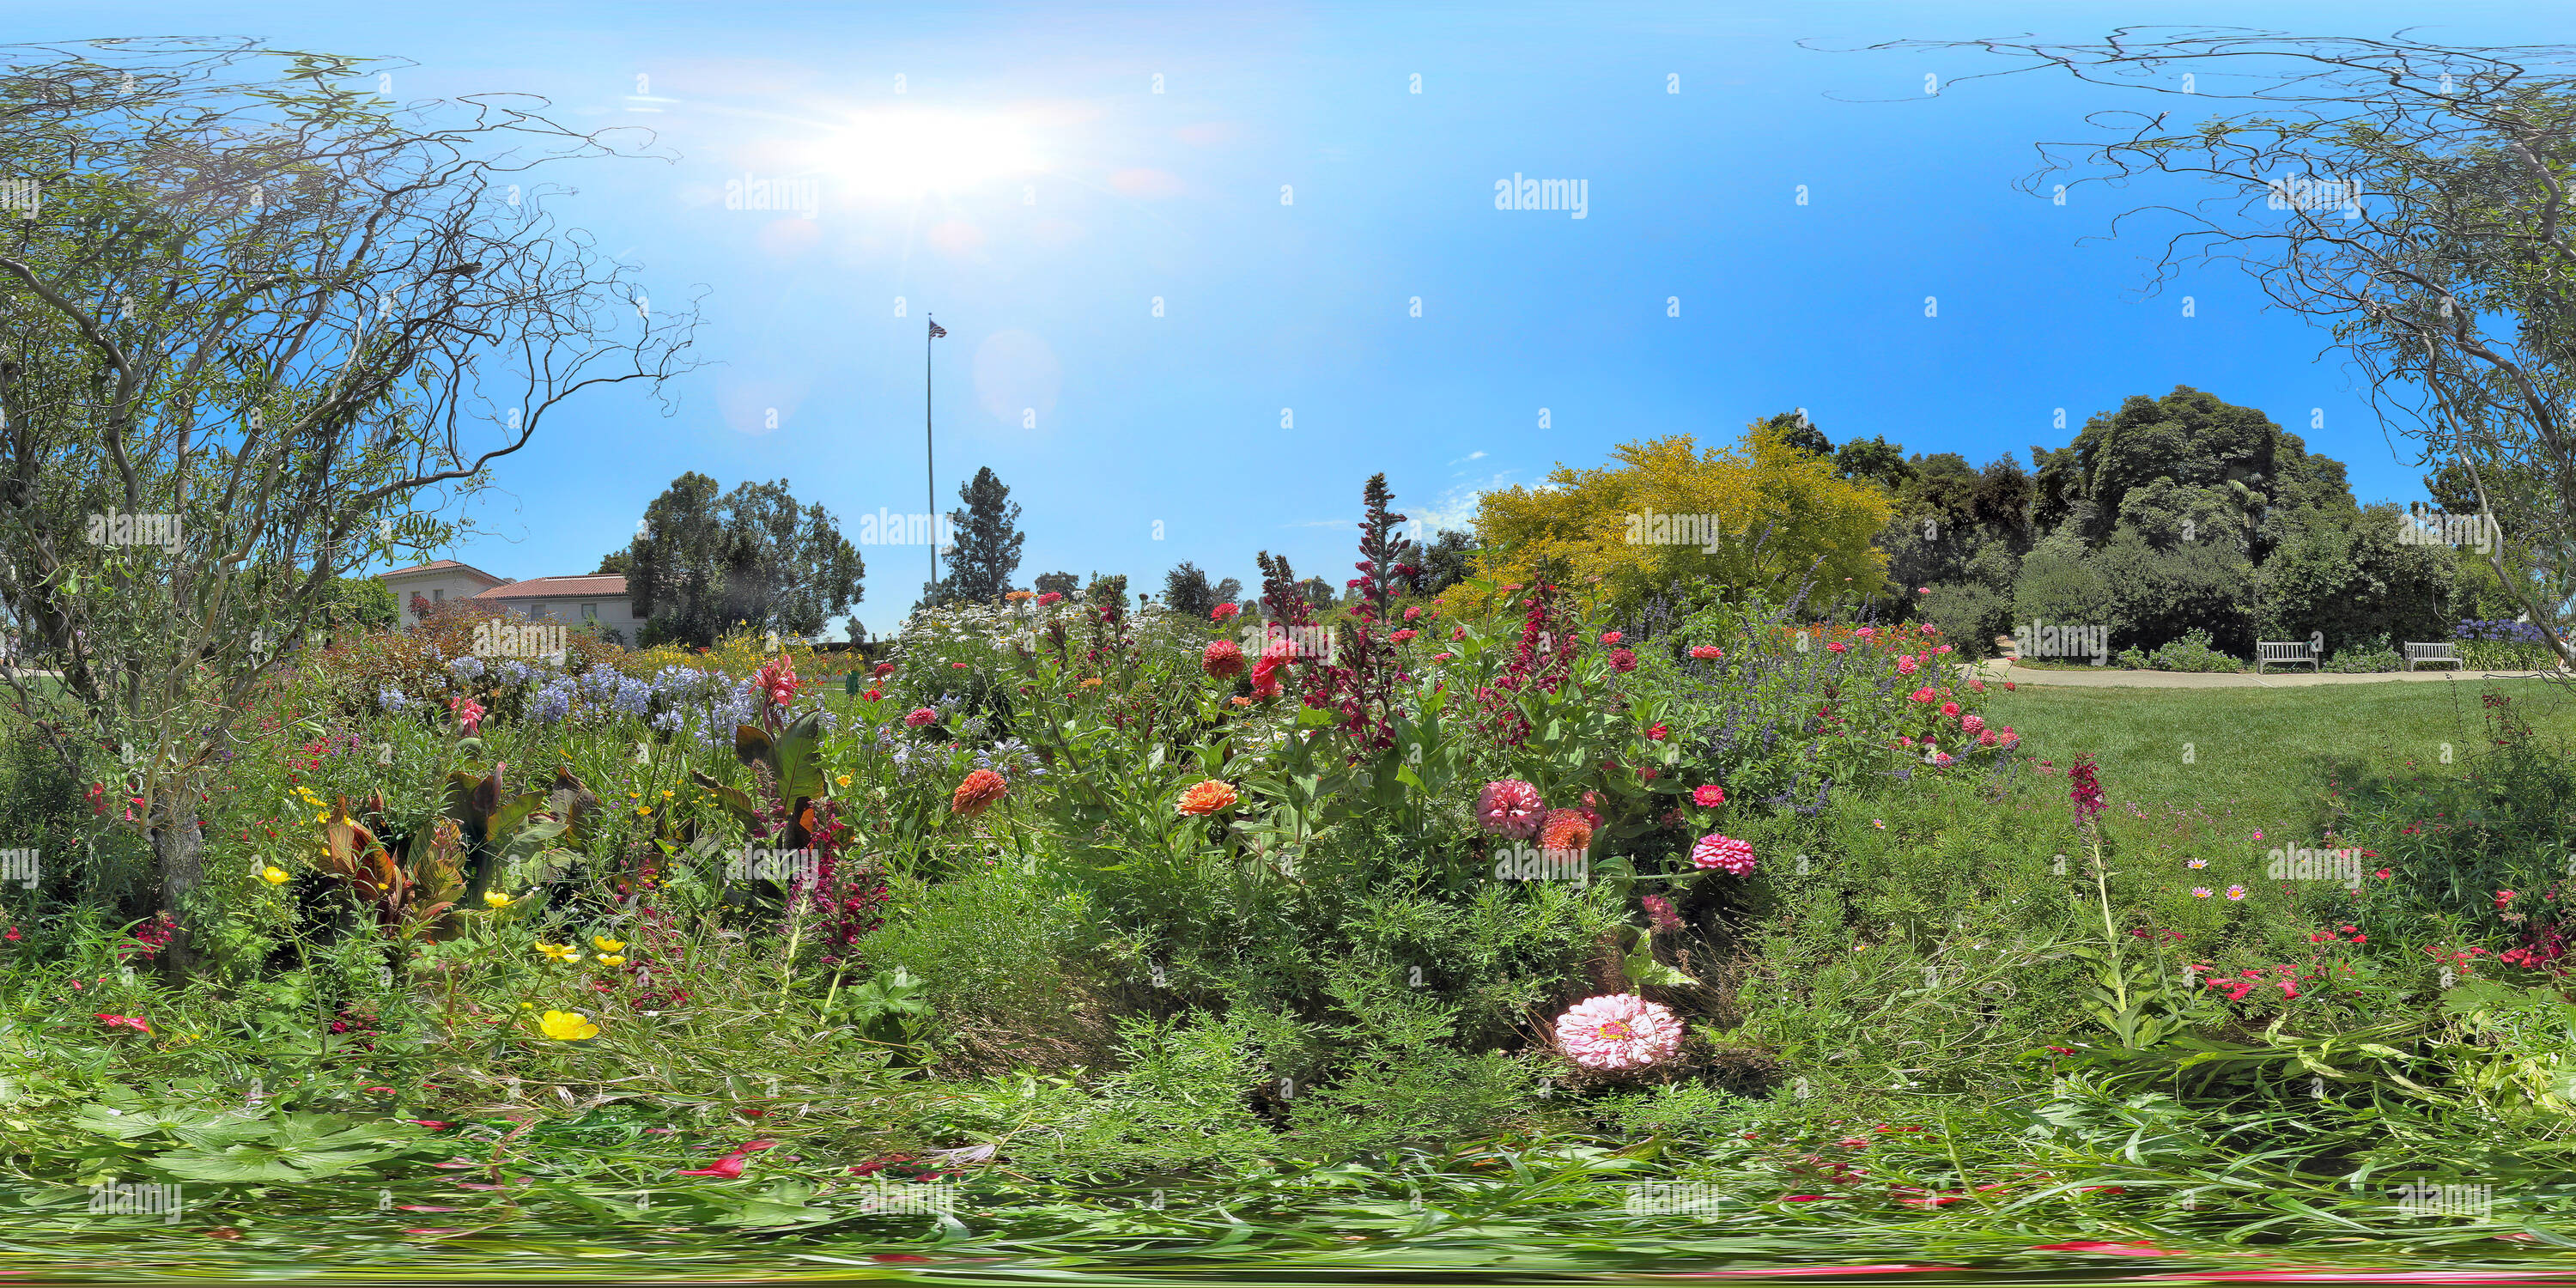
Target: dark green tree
column 1186, row 591
column 1798, row 432
column 988, row 545
column 1875, row 459
column 616, row 561
column 1448, row 560
column 1062, row 583
column 751, row 558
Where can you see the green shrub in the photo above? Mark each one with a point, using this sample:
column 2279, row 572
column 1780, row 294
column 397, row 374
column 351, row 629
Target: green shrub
column 1012, row 959
column 1970, row 616
column 2191, row 653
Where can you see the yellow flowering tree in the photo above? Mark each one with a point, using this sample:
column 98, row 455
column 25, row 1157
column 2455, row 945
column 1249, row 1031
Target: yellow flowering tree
column 1721, row 522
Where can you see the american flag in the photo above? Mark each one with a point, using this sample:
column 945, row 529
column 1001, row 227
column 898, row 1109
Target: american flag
column 937, row 331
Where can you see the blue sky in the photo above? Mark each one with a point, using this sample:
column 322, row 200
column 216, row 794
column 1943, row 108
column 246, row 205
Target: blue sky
column 1014, row 170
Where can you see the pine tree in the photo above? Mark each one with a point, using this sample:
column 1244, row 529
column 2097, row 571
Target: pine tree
column 987, row 551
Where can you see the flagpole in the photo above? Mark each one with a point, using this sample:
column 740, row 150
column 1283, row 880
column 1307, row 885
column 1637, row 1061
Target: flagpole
column 929, row 471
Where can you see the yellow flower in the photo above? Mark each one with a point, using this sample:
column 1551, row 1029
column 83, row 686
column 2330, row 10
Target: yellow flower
column 606, row 944
column 644, row 810
column 323, row 817
column 495, row 899
column 611, row 959
column 559, row 952
column 274, row 876
column 843, row 780
column 567, row 1026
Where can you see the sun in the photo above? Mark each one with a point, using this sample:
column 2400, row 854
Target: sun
column 908, row 154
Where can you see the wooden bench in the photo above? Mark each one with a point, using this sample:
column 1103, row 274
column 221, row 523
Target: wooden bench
column 2433, row 654
column 2282, row 653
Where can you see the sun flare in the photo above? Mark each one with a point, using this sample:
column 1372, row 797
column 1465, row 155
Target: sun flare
column 910, row 154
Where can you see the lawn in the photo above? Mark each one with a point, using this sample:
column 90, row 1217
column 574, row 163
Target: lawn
column 2265, row 759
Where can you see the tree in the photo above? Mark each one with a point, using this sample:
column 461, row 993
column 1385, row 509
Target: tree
column 1186, row 591
column 1796, row 431
column 1874, row 459
column 1061, row 583
column 2346, row 573
column 619, row 562
column 258, row 331
column 1448, row 560
column 1761, row 515
column 2192, row 453
column 362, row 603
column 2411, row 198
column 749, row 558
column 988, row 545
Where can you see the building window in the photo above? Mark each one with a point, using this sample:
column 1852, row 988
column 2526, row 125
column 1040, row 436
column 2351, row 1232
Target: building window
column 590, row 612
column 438, row 596
column 536, row 612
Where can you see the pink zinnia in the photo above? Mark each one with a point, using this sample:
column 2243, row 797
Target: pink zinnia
column 1223, row 659
column 1660, row 914
column 1412, row 613
column 1905, row 665
column 1657, row 733
column 1723, row 853
column 1510, row 807
column 1611, row 637
column 1709, row 797
column 1949, row 708
column 1623, row 661
column 1838, row 647
column 1866, row 632
column 1406, row 634
column 1051, row 597
column 1924, row 695
column 1706, row 652
column 1618, row 1031
column 921, row 716
column 1972, row 723
column 2009, row 737
column 1225, row 612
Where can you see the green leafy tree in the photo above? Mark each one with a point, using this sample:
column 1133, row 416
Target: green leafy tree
column 1874, row 459
column 258, row 331
column 2410, row 198
column 1062, row 583
column 2346, row 573
column 1797, row 432
column 1450, row 558
column 988, row 545
column 363, row 603
column 750, row 557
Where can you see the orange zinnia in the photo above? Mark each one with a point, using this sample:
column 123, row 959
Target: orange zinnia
column 1567, row 829
column 978, row 792
column 1206, row 798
